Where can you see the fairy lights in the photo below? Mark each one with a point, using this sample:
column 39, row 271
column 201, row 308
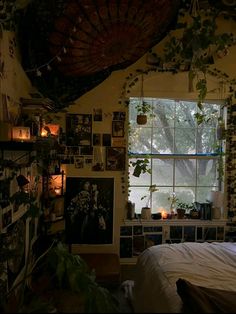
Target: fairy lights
column 58, row 57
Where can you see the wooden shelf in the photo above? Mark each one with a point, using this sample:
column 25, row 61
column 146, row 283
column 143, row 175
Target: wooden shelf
column 15, row 145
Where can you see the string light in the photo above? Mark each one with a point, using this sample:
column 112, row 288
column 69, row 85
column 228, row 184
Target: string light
column 57, row 57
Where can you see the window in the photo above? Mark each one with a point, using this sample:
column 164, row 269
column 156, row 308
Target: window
column 183, row 156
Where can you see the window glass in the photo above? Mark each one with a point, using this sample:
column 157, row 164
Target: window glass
column 181, row 154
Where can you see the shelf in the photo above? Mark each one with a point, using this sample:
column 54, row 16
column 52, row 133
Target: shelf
column 15, row 145
column 171, row 222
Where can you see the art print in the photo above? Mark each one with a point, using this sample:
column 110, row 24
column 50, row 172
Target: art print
column 79, row 129
column 89, row 210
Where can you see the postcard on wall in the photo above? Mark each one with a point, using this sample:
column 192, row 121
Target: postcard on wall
column 118, row 142
column 118, row 115
column 118, row 128
column 89, row 210
column 115, row 158
column 78, row 129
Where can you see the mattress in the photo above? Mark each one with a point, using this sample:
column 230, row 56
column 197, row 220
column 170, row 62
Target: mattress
column 211, row 265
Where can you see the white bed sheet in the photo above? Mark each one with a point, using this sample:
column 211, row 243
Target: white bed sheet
column 211, row 265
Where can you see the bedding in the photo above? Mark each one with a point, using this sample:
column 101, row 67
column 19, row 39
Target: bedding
column 158, row 268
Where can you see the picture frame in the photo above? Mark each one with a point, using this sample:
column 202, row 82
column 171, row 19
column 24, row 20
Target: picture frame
column 118, row 128
column 115, row 158
column 89, row 203
column 78, row 129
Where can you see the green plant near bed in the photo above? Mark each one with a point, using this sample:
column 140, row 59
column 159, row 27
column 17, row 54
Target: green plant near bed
column 63, row 275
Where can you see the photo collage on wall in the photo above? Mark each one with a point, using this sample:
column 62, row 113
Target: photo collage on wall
column 95, row 151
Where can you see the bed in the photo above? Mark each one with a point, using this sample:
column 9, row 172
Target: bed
column 175, row 278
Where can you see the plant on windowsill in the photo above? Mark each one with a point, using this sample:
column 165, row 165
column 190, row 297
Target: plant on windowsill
column 146, row 210
column 182, row 208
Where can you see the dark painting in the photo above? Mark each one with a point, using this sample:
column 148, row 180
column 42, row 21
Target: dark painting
column 89, row 210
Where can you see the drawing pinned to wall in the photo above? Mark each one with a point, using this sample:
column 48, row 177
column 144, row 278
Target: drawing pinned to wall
column 89, row 210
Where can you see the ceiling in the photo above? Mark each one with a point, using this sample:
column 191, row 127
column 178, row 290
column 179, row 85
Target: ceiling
column 70, row 46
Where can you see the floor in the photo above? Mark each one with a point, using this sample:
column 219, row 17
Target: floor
column 123, row 298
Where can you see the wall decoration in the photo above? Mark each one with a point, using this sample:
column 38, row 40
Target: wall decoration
column 118, row 128
column 20, row 133
column 98, row 158
column 118, row 115
column 115, row 158
column 106, row 139
column 79, row 162
column 86, row 150
column 78, row 129
column 118, row 142
column 97, row 114
column 96, row 139
column 89, row 210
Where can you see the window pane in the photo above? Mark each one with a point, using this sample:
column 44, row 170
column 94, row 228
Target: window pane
column 185, row 141
column 185, row 194
column 136, row 193
column 164, row 113
column 140, row 140
column 160, row 199
column 202, row 194
column 185, row 111
column 207, row 172
column 185, row 172
column 162, row 173
column 206, row 139
column 163, row 141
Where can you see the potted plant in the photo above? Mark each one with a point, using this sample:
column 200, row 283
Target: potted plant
column 146, row 210
column 182, row 208
column 143, row 109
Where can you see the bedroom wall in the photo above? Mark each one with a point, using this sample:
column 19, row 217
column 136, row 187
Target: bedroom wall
column 107, row 96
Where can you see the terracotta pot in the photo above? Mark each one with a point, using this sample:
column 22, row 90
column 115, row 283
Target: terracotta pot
column 141, row 119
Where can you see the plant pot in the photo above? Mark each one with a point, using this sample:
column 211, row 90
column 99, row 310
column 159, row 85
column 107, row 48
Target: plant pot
column 180, row 213
column 141, row 119
column 146, row 213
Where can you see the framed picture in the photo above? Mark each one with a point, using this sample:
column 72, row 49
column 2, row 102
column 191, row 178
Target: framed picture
column 89, row 210
column 115, row 158
column 118, row 128
column 79, row 129
column 118, row 115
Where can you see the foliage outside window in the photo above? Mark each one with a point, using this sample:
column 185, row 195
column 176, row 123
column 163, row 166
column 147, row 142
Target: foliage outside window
column 183, row 156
